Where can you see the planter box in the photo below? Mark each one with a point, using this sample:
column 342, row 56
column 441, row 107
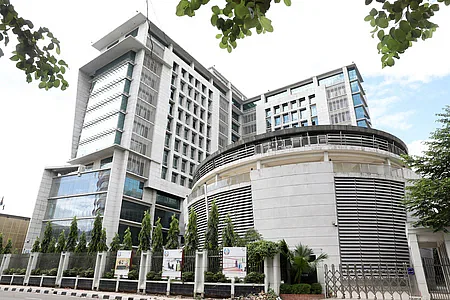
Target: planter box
column 107, row 285
column 246, row 289
column 302, row 296
column 218, row 290
column 49, row 281
column 68, row 282
column 18, row 279
column 5, row 279
column 85, row 283
column 182, row 288
column 129, row 286
column 34, row 281
column 155, row 287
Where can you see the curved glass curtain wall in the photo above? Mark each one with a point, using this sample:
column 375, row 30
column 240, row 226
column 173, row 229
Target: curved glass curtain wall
column 107, row 104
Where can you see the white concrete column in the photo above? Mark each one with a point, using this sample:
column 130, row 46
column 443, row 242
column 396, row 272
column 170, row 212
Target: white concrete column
column 258, row 165
column 201, row 262
column 99, row 270
column 63, row 264
column 32, row 261
column 144, row 268
column 325, row 156
column 418, row 266
column 5, row 263
column 276, row 274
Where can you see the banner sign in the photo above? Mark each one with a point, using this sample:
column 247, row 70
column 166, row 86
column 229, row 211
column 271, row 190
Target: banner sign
column 123, row 263
column 235, row 262
column 172, row 263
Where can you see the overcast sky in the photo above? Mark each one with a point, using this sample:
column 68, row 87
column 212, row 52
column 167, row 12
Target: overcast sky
column 310, row 37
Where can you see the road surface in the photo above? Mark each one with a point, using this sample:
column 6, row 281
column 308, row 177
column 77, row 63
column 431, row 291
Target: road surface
column 30, row 296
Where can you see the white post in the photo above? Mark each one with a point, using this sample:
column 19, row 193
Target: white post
column 99, row 269
column 5, row 263
column 63, row 264
column 32, row 262
column 201, row 262
column 232, row 288
column 146, row 259
column 168, row 286
column 268, row 273
column 418, row 266
column 276, row 274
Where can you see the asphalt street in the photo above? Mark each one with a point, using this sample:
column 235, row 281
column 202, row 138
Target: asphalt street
column 28, row 296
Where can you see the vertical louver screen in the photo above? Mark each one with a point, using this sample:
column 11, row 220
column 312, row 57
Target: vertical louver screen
column 371, row 221
column 236, row 202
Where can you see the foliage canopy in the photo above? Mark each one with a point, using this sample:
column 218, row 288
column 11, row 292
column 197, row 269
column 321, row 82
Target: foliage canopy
column 428, row 198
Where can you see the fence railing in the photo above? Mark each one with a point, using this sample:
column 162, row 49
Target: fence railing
column 368, row 281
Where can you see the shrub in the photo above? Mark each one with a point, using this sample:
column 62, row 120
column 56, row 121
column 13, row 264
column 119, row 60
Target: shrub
column 51, row 272
column 35, row 272
column 209, row 277
column 154, row 276
column 17, row 271
column 133, row 275
column 71, row 272
column 109, row 275
column 316, row 288
column 187, row 276
column 220, row 277
column 254, row 277
column 301, row 288
column 9, row 271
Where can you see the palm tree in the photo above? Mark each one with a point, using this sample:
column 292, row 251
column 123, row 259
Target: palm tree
column 302, row 261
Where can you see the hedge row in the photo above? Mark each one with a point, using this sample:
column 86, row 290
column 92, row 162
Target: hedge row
column 301, row 288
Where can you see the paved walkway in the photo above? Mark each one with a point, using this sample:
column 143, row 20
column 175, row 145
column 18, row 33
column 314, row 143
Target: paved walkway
column 85, row 294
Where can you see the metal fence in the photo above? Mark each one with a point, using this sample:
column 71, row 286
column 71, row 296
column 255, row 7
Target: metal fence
column 437, row 275
column 157, row 261
column 215, row 260
column 369, row 281
column 47, row 261
column 82, row 261
column 19, row 261
column 257, row 267
column 189, row 261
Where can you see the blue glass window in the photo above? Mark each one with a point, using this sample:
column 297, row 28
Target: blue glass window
column 80, row 184
column 295, row 116
column 357, row 99
column 83, row 206
column 355, row 86
column 106, row 163
column 313, row 110
column 286, row 119
column 277, row 121
column 352, row 74
column 133, row 188
column 362, row 123
column 84, row 225
column 360, row 112
column 332, row 80
column 314, row 121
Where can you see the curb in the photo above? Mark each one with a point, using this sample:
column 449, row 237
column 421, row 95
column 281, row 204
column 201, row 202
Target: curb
column 79, row 293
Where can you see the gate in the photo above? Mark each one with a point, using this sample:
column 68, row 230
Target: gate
column 437, row 274
column 368, row 281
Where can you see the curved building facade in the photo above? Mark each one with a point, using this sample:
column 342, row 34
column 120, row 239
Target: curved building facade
column 337, row 189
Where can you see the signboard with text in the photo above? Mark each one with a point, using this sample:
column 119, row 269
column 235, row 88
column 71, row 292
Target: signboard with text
column 235, row 262
column 172, row 263
column 123, row 263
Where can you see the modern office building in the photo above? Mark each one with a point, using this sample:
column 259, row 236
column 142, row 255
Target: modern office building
column 14, row 228
column 147, row 114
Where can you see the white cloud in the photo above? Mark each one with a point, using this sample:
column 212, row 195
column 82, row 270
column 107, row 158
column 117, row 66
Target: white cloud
column 417, row 147
column 399, row 120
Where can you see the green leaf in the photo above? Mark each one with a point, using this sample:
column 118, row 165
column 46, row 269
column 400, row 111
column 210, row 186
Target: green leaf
column 287, row 2
column 229, row 49
column 404, row 25
column 42, row 85
column 368, row 18
column 266, row 23
column 380, row 34
column 218, row 36
column 14, row 58
column 214, row 19
column 215, row 9
column 241, row 11
column 1, row 52
column 400, row 35
column 373, row 12
column 390, row 62
column 382, row 22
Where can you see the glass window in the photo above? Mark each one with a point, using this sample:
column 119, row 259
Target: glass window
column 167, row 140
column 164, row 173
column 294, row 104
column 132, row 211
column 182, row 181
column 177, row 145
column 357, row 99
column 174, row 177
column 277, row 121
column 285, row 119
column 302, row 102
column 332, row 79
column 185, row 149
column 295, row 116
column 362, row 123
column 133, row 188
column 285, row 107
column 303, row 88
column 178, row 129
column 268, row 112
column 134, row 233
column 354, row 86
column 88, row 167
column 191, row 168
column 303, row 114
column 183, row 165
column 80, row 184
column 313, row 110
column 168, row 200
column 83, row 206
column 186, row 133
column 175, row 162
column 165, row 157
column 304, row 123
column 314, row 121
column 360, row 112
column 352, row 74
column 277, row 109
column 84, row 225
column 268, row 123
column 106, row 163
column 165, row 216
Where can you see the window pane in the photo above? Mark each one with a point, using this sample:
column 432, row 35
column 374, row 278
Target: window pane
column 168, row 200
column 84, row 206
column 133, row 211
column 133, row 188
column 85, row 183
column 165, row 216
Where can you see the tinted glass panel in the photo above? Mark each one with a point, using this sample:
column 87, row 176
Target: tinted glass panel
column 132, row 211
column 134, row 233
column 168, row 200
column 84, row 206
column 133, row 188
column 166, row 217
column 85, row 225
column 357, row 100
column 85, row 183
